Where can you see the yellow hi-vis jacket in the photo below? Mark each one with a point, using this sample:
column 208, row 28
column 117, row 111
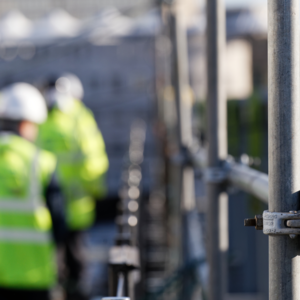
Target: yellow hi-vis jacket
column 73, row 136
column 26, row 250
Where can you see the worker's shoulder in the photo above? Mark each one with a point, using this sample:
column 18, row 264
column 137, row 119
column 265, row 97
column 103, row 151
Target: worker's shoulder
column 28, row 150
column 80, row 108
column 26, row 147
column 22, row 146
column 56, row 114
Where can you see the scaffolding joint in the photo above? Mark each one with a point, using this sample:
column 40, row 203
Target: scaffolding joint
column 217, row 174
column 277, row 223
column 183, row 158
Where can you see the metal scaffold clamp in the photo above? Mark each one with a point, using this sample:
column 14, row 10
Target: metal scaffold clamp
column 215, row 175
column 277, row 223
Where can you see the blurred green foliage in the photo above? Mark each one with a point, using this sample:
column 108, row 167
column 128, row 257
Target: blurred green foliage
column 247, row 132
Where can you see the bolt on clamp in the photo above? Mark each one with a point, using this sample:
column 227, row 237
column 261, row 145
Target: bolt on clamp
column 277, row 223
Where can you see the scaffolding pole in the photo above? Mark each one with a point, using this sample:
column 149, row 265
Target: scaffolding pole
column 184, row 110
column 191, row 229
column 284, row 143
column 217, row 143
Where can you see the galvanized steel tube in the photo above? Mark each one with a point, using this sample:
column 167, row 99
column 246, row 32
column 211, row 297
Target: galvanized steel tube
column 241, row 176
column 217, row 138
column 249, row 180
column 120, row 288
column 284, row 142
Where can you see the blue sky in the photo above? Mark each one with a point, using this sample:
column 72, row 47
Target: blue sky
column 243, row 3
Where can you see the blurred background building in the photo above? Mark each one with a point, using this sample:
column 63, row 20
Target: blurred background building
column 79, row 9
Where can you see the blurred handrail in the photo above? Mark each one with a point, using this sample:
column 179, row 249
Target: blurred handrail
column 239, row 175
column 249, row 180
column 120, row 288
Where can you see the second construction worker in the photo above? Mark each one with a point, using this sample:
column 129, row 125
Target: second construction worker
column 31, row 205
column 71, row 133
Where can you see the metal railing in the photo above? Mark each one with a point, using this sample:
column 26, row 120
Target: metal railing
column 239, row 175
column 283, row 183
column 219, row 171
column 124, row 256
column 120, row 289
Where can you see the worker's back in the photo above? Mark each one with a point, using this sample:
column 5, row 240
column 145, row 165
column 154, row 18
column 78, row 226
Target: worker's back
column 26, row 248
column 72, row 135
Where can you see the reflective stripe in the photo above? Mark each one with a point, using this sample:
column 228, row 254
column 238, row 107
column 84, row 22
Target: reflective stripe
column 34, row 201
column 20, row 205
column 31, row 205
column 23, row 235
column 35, row 185
column 27, row 258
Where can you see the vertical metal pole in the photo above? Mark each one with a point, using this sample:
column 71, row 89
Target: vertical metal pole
column 120, row 288
column 183, row 105
column 177, row 172
column 284, row 142
column 184, row 115
column 217, row 138
column 181, row 79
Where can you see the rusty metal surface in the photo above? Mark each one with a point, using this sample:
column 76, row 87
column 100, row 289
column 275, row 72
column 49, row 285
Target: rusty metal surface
column 256, row 222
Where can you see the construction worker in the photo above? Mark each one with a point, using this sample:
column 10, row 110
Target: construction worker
column 31, row 205
column 72, row 134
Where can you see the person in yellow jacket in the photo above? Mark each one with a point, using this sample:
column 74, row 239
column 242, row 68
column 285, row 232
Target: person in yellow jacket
column 71, row 133
column 31, row 205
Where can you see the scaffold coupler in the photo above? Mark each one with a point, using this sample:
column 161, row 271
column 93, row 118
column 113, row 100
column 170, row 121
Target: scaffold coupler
column 277, row 223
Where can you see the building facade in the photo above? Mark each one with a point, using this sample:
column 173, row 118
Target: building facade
column 77, row 8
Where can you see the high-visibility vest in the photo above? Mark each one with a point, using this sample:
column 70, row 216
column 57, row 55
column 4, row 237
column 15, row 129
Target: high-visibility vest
column 26, row 248
column 73, row 136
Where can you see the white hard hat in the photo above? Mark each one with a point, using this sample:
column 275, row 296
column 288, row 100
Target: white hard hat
column 64, row 91
column 71, row 85
column 22, row 101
